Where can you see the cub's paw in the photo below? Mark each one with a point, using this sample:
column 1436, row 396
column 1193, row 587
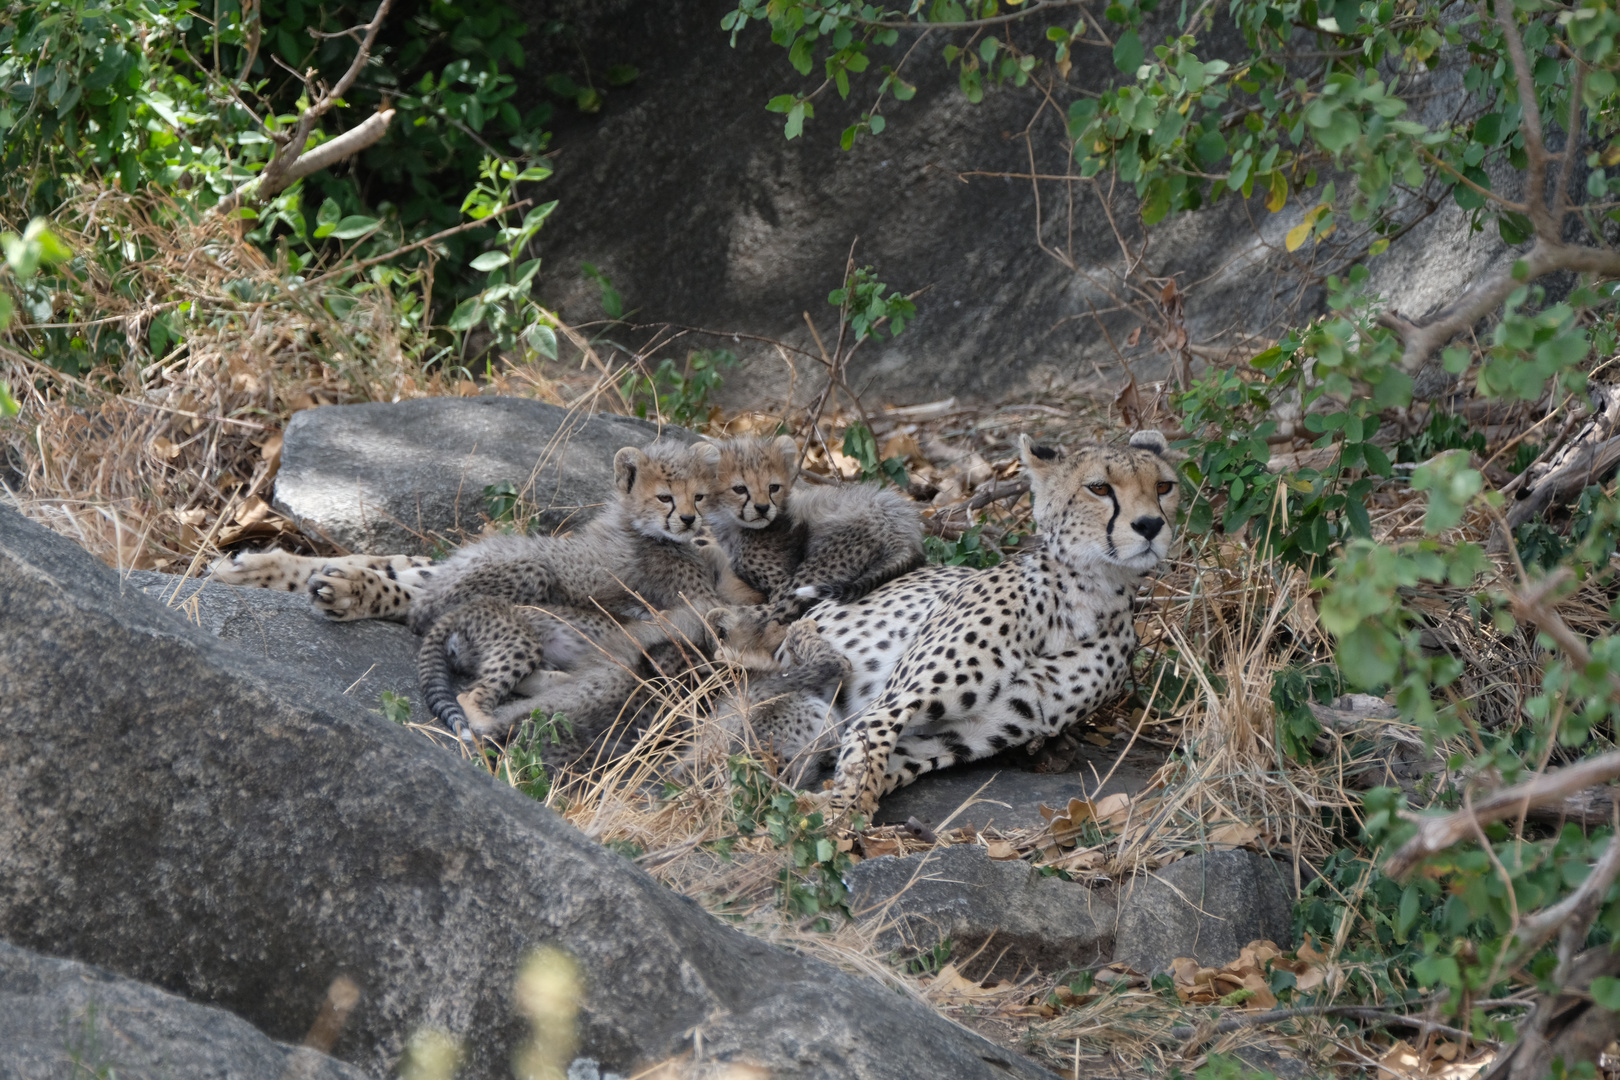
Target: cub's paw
column 273, row 569
column 342, row 594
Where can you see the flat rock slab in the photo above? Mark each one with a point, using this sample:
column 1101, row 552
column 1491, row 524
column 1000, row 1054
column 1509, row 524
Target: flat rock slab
column 409, row 477
column 186, row 814
column 60, row 1019
column 1206, row 906
column 361, row 659
column 960, row 893
column 1011, row 797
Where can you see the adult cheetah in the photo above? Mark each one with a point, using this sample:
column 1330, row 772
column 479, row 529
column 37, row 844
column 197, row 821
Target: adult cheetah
column 951, row 664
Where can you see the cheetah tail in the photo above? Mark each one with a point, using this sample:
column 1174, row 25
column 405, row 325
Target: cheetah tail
column 438, row 688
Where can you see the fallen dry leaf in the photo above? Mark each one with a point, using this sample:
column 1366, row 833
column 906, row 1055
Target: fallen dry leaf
column 1000, row 849
column 1109, row 812
column 1233, row 835
column 951, row 987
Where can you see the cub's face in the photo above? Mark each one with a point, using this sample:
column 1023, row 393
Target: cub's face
column 664, row 487
column 1108, row 503
column 753, row 479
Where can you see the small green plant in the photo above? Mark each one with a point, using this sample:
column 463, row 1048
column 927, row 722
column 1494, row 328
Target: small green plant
column 1292, row 691
column 1445, row 432
column 678, row 394
column 863, row 297
column 612, row 302
column 969, row 549
column 861, row 444
column 396, row 707
column 1524, row 455
column 931, row 961
column 501, row 501
column 812, row 883
column 25, row 254
column 522, row 758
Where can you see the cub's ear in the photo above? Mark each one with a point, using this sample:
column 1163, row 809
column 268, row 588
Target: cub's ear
column 1150, row 440
column 706, row 453
column 626, row 464
column 1037, row 459
column 789, row 451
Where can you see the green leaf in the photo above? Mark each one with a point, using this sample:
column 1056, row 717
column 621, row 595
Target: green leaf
column 1369, row 656
column 8, row 404
column 1128, row 52
column 795, row 121
column 468, row 314
column 489, row 260
column 542, row 339
column 354, row 225
column 622, row 74
column 1605, row 990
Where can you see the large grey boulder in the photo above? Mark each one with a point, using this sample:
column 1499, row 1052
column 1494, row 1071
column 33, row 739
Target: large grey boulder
column 960, row 893
column 704, row 215
column 1206, row 906
column 186, row 814
column 361, row 660
column 61, row 1020
column 409, row 476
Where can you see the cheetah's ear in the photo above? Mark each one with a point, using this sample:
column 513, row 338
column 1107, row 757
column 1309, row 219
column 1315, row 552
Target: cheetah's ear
column 789, row 450
column 706, row 453
column 1037, row 459
column 1150, row 440
column 626, row 464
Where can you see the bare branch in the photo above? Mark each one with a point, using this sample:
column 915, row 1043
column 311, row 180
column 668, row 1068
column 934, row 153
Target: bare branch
column 1576, row 909
column 1436, row 834
column 284, row 167
column 1544, row 257
column 1535, row 146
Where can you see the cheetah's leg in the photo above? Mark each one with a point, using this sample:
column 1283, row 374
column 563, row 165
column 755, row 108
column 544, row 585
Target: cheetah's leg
column 863, row 759
column 343, row 588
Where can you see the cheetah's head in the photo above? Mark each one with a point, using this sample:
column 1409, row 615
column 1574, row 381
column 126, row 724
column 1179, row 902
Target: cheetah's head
column 753, row 479
column 662, row 486
column 1116, row 504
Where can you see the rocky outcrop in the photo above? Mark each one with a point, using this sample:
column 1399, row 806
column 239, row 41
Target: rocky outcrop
column 685, row 192
column 361, row 660
column 61, row 1020
column 960, row 893
column 187, row 814
column 410, row 476
column 1206, row 906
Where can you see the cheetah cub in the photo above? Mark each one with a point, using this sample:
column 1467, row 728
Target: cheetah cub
column 800, row 544
column 950, row 664
column 506, row 606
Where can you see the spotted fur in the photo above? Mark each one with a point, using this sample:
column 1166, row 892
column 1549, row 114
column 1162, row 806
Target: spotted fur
column 950, row 664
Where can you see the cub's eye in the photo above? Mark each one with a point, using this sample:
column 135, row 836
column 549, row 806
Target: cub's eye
column 666, row 499
column 1166, row 487
column 741, row 489
column 697, row 498
column 1100, row 489
column 775, row 488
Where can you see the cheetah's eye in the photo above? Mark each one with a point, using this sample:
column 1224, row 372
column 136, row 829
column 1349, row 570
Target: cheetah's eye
column 697, row 498
column 741, row 489
column 775, row 488
column 1100, row 489
column 666, row 498
column 1166, row 487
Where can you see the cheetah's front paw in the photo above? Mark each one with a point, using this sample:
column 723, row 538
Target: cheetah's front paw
column 341, row 594
column 273, row 569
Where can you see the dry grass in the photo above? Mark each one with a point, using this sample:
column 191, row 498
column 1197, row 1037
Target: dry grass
column 162, row 461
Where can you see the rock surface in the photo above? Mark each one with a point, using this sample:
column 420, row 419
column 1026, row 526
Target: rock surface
column 61, row 1020
column 360, row 660
column 960, row 893
column 1001, row 793
column 185, row 814
column 1205, row 906
column 405, row 477
column 703, row 214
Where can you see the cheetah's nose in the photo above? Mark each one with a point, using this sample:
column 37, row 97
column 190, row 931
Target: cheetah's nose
column 687, row 519
column 1148, row 527
column 762, row 508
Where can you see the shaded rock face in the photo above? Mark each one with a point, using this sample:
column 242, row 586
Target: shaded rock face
column 359, row 660
column 684, row 190
column 389, row 478
column 61, row 1020
column 1204, row 906
column 962, row 894
column 233, row 831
